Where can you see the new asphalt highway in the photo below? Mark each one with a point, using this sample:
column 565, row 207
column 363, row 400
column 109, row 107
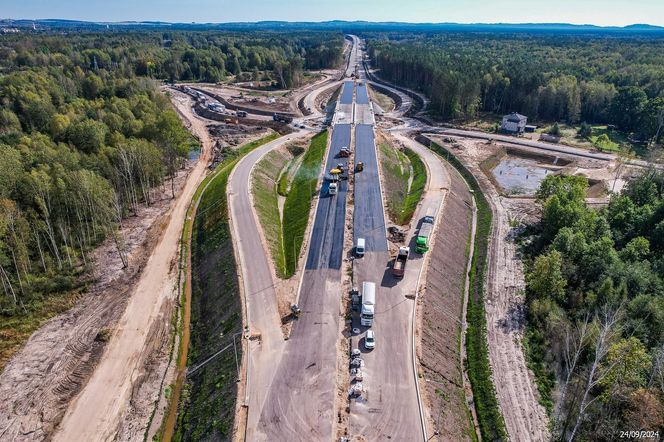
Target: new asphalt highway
column 300, row 402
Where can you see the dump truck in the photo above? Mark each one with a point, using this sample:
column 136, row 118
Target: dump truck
column 399, row 264
column 426, row 229
column 282, row 118
column 368, row 303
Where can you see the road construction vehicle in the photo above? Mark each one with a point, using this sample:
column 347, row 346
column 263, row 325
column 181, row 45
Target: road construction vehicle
column 359, row 167
column 295, row 310
column 333, row 188
column 399, row 264
column 283, row 118
column 424, row 234
column 368, row 303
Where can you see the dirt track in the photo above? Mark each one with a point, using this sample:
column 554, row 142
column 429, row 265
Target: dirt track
column 525, row 418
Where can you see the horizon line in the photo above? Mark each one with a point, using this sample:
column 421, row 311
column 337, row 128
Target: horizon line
column 333, row 21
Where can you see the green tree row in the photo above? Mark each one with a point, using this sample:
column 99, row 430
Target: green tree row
column 180, row 56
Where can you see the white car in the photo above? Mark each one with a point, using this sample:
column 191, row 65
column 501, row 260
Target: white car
column 369, row 340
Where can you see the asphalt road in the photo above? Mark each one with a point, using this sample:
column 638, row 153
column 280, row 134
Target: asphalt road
column 362, row 94
column 368, row 217
column 347, row 93
column 259, row 292
column 388, row 409
column 326, row 246
column 299, row 405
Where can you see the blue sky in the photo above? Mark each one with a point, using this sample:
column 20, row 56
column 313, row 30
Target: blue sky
column 599, row 12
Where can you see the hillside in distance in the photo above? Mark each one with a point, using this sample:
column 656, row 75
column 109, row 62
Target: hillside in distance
column 45, row 24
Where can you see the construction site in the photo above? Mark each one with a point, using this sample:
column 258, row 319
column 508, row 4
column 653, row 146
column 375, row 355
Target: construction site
column 334, row 266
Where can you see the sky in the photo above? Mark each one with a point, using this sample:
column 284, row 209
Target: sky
column 597, row 12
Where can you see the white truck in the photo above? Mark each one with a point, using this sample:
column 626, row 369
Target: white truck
column 368, row 303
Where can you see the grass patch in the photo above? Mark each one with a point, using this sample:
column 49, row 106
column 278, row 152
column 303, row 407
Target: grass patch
column 396, row 173
column 298, row 202
column 385, row 102
column 287, row 175
column 492, row 424
column 207, row 407
column 266, row 201
column 397, row 167
column 417, row 185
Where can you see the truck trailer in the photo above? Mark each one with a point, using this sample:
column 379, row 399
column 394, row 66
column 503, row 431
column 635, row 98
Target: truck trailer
column 423, row 236
column 368, row 303
column 399, row 264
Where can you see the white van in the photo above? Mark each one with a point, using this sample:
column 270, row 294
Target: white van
column 359, row 247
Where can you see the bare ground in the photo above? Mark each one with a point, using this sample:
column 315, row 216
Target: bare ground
column 440, row 314
column 517, row 393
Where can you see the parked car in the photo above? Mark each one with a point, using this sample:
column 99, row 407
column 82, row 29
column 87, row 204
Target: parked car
column 369, row 340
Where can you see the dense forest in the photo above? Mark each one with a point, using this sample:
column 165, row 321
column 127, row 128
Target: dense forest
column 595, row 307
column 86, row 137
column 186, row 56
column 560, row 77
column 80, row 152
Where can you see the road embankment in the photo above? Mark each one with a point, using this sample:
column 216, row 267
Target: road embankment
column 492, row 424
column 204, row 400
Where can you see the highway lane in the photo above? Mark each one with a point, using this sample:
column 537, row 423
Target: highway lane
column 325, row 249
column 362, row 94
column 347, row 93
column 300, row 400
column 388, row 408
column 368, row 216
column 260, row 296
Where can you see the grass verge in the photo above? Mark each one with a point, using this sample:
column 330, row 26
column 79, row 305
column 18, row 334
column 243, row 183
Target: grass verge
column 298, row 202
column 417, row 185
column 266, row 201
column 397, row 167
column 205, row 405
column 492, row 424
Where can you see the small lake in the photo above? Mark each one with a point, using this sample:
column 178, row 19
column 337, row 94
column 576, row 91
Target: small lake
column 520, row 176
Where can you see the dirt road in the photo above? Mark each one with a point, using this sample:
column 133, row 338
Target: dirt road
column 525, row 418
column 96, row 411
